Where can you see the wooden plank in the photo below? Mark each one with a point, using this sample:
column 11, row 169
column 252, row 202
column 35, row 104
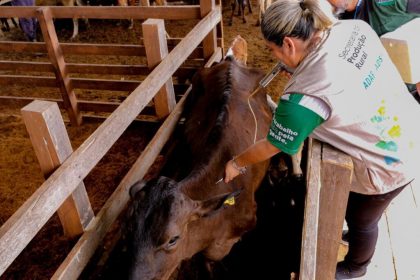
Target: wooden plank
column 28, row 66
column 95, row 106
column 86, row 246
column 84, row 105
column 57, row 59
column 90, row 49
column 109, row 12
column 20, row 47
column 81, row 68
column 404, row 227
column 80, row 83
column 52, row 147
column 102, row 84
column 311, row 211
column 40, row 81
column 154, row 39
column 210, row 42
column 102, row 49
column 115, row 85
column 147, row 115
column 110, row 69
column 22, row 226
column 336, row 173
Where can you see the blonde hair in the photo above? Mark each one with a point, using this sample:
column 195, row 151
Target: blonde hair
column 296, row 18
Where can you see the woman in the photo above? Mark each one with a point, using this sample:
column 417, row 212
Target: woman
column 344, row 91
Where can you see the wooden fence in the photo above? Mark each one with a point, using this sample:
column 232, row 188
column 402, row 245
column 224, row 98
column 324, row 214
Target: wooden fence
column 64, row 187
column 67, row 76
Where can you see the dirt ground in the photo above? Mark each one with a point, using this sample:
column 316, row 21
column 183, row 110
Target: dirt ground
column 21, row 174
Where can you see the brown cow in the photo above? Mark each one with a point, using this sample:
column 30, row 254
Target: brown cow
column 172, row 219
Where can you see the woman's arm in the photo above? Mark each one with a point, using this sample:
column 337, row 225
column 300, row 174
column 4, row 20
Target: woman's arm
column 260, row 151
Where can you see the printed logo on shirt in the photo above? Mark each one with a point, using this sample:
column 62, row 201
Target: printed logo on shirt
column 353, row 52
column 283, row 134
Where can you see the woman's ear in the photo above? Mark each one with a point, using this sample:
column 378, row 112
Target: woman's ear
column 289, row 46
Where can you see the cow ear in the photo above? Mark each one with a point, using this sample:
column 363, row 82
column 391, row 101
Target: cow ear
column 134, row 189
column 212, row 205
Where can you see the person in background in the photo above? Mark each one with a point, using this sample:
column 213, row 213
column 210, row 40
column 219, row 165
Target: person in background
column 344, row 91
column 28, row 25
column 383, row 16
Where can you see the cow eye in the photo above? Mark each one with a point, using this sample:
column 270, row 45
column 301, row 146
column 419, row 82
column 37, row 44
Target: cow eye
column 173, row 241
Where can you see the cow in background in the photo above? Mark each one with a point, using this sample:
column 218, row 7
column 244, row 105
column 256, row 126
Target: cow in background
column 190, row 210
column 263, row 7
column 242, row 4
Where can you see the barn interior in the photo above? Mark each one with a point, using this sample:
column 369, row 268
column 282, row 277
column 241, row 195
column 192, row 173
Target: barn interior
column 26, row 74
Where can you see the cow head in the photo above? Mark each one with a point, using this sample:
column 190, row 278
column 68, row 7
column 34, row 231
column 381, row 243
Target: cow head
column 158, row 227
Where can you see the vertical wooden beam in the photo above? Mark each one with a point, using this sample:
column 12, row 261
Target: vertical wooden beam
column 311, row 212
column 57, row 59
column 52, row 147
column 219, row 33
column 329, row 174
column 154, row 39
column 336, row 175
column 210, row 42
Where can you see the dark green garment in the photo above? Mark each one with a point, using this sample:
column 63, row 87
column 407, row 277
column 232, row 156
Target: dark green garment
column 387, row 15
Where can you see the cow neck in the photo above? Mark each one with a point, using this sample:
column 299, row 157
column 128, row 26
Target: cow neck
column 201, row 182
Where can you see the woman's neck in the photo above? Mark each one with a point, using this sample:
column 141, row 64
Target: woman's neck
column 313, row 43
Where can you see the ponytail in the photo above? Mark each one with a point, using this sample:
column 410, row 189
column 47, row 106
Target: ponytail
column 296, row 18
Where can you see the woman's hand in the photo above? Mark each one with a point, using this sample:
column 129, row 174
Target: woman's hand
column 259, row 151
column 230, row 171
column 286, row 74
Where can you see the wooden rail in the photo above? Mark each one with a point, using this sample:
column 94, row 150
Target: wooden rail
column 19, row 230
column 101, row 12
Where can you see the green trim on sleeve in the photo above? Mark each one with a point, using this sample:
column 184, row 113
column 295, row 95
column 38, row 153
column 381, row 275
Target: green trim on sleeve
column 291, row 124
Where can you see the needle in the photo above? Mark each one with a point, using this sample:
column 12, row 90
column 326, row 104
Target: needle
column 220, row 180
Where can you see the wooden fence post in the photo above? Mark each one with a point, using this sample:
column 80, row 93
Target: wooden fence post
column 52, row 146
column 210, row 42
column 154, row 40
column 329, row 178
column 336, row 174
column 57, row 59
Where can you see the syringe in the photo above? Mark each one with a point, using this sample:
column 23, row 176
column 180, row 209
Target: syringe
column 270, row 75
